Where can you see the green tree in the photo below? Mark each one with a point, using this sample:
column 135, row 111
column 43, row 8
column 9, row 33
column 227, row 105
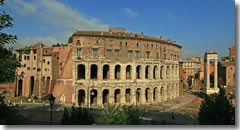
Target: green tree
column 79, row 116
column 10, row 116
column 216, row 109
column 70, row 39
column 124, row 115
column 7, row 58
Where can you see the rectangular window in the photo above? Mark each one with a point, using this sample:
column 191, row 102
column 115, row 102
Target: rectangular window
column 116, row 53
column 48, row 62
column 34, row 51
column 24, row 65
column 97, row 41
column 95, row 51
column 43, row 60
column 137, row 54
column 34, row 57
column 38, row 69
column 79, row 52
column 120, row 44
column 28, row 68
column 110, row 42
column 109, row 53
column 129, row 54
column 157, row 55
column 148, row 55
column 34, row 68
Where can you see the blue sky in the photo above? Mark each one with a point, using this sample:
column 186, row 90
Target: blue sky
column 196, row 25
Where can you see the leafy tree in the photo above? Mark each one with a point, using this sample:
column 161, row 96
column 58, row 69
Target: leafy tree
column 79, row 116
column 10, row 116
column 124, row 115
column 216, row 109
column 7, row 58
column 70, row 39
column 111, row 114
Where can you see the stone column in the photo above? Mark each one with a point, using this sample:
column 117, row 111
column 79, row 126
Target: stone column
column 143, row 98
column 123, row 72
column 142, row 73
column 215, row 74
column 111, row 96
column 99, row 97
column 133, row 72
column 150, row 72
column 87, row 73
column 151, row 95
column 100, row 72
column 112, row 72
column 158, row 94
column 122, row 96
column 206, row 74
column 133, row 96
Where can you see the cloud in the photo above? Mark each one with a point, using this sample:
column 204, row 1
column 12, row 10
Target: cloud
column 130, row 12
column 57, row 14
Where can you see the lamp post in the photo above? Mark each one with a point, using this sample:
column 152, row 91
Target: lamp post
column 51, row 101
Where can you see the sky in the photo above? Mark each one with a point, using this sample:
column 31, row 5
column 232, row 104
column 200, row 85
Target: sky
column 197, row 25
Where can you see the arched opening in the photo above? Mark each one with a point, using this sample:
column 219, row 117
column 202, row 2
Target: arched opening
column 117, row 96
column 81, row 71
column 106, row 72
column 94, row 70
column 128, row 95
column 128, row 72
column 105, row 96
column 93, row 99
column 147, row 94
column 147, row 72
column 117, row 72
column 161, row 72
column 138, row 72
column 154, row 72
column 138, row 95
column 31, row 85
column 20, row 87
column 81, row 97
column 172, row 73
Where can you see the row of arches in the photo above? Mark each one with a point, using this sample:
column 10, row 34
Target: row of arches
column 127, row 95
column 20, row 84
column 147, row 72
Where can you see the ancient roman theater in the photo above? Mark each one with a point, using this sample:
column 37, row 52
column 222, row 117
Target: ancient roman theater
column 98, row 68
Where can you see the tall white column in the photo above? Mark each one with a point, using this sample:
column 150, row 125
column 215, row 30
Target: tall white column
column 215, row 74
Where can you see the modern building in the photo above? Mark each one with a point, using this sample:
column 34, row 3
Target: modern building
column 102, row 67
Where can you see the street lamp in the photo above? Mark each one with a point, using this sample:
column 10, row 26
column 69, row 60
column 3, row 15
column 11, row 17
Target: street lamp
column 51, row 101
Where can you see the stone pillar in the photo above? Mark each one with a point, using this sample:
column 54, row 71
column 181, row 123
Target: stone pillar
column 133, row 72
column 123, row 72
column 133, row 96
column 111, row 96
column 142, row 73
column 122, row 96
column 87, row 73
column 100, row 72
column 216, row 74
column 143, row 98
column 158, row 98
column 99, row 97
column 151, row 95
column 150, row 72
column 112, row 72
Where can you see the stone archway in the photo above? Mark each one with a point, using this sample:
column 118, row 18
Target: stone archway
column 20, row 87
column 93, row 94
column 81, row 97
column 128, row 95
column 147, row 95
column 117, row 96
column 32, row 85
column 105, row 96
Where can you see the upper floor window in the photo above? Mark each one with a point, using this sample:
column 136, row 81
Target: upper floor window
column 116, row 53
column 137, row 54
column 129, row 54
column 109, row 53
column 120, row 44
column 95, row 50
column 43, row 60
column 34, row 57
column 137, row 44
column 126, row 43
column 147, row 45
column 34, row 51
column 79, row 52
column 157, row 55
column 148, row 55
column 152, row 45
column 78, row 42
column 110, row 42
column 97, row 41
